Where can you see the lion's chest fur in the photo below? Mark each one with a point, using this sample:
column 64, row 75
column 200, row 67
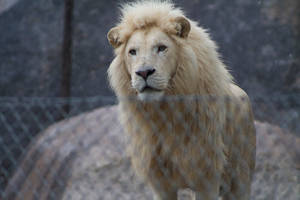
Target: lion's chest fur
column 168, row 141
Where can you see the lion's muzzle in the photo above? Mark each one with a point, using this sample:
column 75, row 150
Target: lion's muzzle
column 145, row 73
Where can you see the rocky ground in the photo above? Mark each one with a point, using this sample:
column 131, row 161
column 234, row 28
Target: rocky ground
column 84, row 158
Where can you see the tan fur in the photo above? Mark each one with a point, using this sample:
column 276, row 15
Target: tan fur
column 204, row 141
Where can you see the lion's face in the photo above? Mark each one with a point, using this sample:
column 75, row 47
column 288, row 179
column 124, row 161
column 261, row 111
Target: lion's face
column 150, row 55
column 151, row 62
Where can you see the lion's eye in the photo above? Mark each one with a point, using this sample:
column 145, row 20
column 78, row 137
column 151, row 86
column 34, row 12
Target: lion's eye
column 161, row 48
column 132, row 52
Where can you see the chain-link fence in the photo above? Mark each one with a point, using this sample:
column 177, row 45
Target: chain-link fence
column 195, row 142
column 21, row 119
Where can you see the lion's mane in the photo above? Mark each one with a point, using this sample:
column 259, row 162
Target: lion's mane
column 166, row 147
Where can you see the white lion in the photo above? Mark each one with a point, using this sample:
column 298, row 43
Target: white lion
column 203, row 136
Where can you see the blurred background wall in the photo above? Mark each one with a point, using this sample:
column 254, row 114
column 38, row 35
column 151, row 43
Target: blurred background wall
column 258, row 40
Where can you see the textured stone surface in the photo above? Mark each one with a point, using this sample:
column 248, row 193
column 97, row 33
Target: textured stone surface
column 277, row 174
column 84, row 158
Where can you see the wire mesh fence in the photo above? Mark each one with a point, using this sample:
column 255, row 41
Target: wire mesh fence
column 204, row 143
column 21, row 119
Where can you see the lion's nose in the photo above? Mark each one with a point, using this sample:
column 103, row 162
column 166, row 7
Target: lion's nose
column 145, row 73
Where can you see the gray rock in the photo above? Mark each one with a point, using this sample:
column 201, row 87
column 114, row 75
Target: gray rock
column 277, row 173
column 84, row 158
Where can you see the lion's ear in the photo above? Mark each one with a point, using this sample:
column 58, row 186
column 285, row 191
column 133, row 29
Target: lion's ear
column 182, row 27
column 113, row 37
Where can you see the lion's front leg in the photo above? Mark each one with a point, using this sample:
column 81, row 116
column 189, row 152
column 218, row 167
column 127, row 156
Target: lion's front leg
column 240, row 190
column 211, row 193
column 160, row 193
column 201, row 196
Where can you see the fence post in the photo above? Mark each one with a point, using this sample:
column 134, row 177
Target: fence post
column 67, row 53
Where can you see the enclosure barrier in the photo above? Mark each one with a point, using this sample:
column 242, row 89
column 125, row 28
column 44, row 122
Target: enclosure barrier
column 181, row 131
